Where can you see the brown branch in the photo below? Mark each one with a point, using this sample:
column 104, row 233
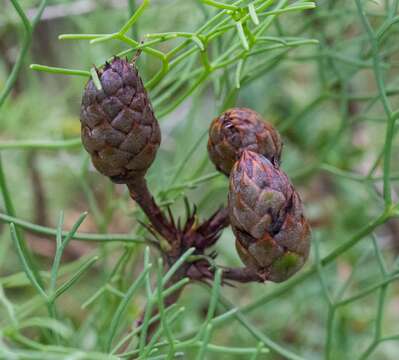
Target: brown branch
column 221, row 219
column 140, row 193
column 242, row 275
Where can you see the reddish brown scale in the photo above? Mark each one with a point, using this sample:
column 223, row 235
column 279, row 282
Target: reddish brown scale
column 119, row 129
column 272, row 234
column 240, row 129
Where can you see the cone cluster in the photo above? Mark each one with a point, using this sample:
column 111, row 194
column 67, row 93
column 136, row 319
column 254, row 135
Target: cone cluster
column 122, row 136
column 266, row 214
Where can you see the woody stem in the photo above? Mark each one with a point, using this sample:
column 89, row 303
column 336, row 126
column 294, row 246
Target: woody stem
column 140, row 193
column 242, row 275
column 221, row 219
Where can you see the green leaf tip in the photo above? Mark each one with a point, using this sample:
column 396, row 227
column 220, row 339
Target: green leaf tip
column 95, row 78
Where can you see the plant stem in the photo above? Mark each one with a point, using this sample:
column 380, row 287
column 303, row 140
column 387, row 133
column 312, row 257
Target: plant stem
column 379, row 77
column 140, row 193
column 44, row 230
column 10, row 209
column 28, row 28
column 242, row 275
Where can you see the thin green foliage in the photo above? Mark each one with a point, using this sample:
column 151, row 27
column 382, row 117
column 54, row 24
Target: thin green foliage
column 329, row 51
column 202, row 41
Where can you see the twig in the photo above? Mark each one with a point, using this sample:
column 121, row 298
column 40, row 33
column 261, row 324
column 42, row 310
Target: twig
column 141, row 194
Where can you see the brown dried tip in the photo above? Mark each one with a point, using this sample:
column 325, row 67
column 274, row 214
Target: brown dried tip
column 272, row 234
column 119, row 129
column 240, row 129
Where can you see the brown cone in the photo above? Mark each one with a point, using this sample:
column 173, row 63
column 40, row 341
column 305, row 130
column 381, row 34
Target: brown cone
column 119, row 129
column 272, row 234
column 241, row 129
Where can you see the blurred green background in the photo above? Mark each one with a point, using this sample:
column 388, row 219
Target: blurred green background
column 327, row 99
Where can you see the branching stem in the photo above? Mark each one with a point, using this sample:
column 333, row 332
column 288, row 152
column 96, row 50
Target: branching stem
column 140, row 193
